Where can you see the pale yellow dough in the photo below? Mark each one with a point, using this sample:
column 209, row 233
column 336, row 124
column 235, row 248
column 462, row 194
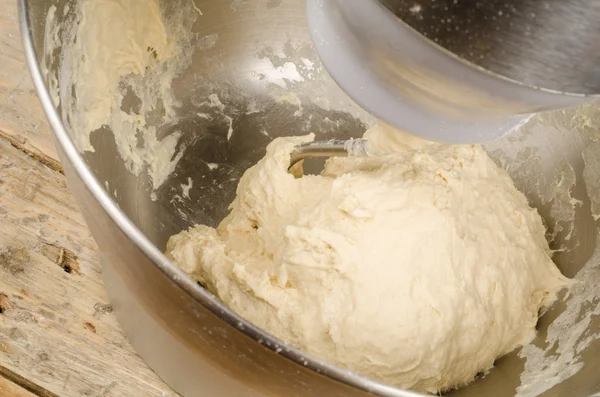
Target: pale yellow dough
column 119, row 48
column 417, row 266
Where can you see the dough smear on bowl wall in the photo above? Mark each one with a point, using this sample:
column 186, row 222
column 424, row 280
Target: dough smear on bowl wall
column 417, row 266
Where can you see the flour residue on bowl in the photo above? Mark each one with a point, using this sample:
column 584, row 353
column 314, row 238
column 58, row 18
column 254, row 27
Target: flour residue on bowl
column 119, row 62
column 51, row 43
column 560, row 355
column 292, row 77
column 568, row 336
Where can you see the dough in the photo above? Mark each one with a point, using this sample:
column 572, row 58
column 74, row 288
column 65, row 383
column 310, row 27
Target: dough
column 417, row 266
column 117, row 71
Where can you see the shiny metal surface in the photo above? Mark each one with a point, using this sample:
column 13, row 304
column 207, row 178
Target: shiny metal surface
column 546, row 44
column 331, row 148
column 193, row 341
column 425, row 88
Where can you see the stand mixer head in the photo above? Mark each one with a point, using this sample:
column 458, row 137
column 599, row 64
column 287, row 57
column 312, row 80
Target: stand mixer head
column 460, row 71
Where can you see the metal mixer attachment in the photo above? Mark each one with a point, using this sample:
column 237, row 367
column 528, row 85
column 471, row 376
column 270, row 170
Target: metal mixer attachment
column 331, row 148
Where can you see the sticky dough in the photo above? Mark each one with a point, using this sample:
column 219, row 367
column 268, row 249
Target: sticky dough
column 417, row 266
column 121, row 48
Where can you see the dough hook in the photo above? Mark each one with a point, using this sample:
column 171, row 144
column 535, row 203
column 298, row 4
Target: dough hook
column 331, row 148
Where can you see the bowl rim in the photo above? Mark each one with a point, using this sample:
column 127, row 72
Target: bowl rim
column 176, row 275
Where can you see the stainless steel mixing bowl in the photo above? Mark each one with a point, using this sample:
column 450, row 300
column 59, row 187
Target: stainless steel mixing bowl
column 184, row 333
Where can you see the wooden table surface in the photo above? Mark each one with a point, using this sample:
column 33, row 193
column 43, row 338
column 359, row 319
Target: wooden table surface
column 58, row 335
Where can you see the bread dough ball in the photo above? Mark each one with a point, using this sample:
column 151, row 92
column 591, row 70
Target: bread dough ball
column 417, row 266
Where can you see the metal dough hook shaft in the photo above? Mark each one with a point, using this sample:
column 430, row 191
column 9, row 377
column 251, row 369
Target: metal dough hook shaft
column 332, row 148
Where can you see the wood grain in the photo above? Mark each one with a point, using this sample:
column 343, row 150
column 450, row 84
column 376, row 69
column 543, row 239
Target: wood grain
column 22, row 120
column 56, row 326
column 9, row 389
column 14, row 384
column 58, row 335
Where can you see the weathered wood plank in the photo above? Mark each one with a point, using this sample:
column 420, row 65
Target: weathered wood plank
column 22, row 120
column 56, row 326
column 9, row 389
column 58, row 336
column 12, row 384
